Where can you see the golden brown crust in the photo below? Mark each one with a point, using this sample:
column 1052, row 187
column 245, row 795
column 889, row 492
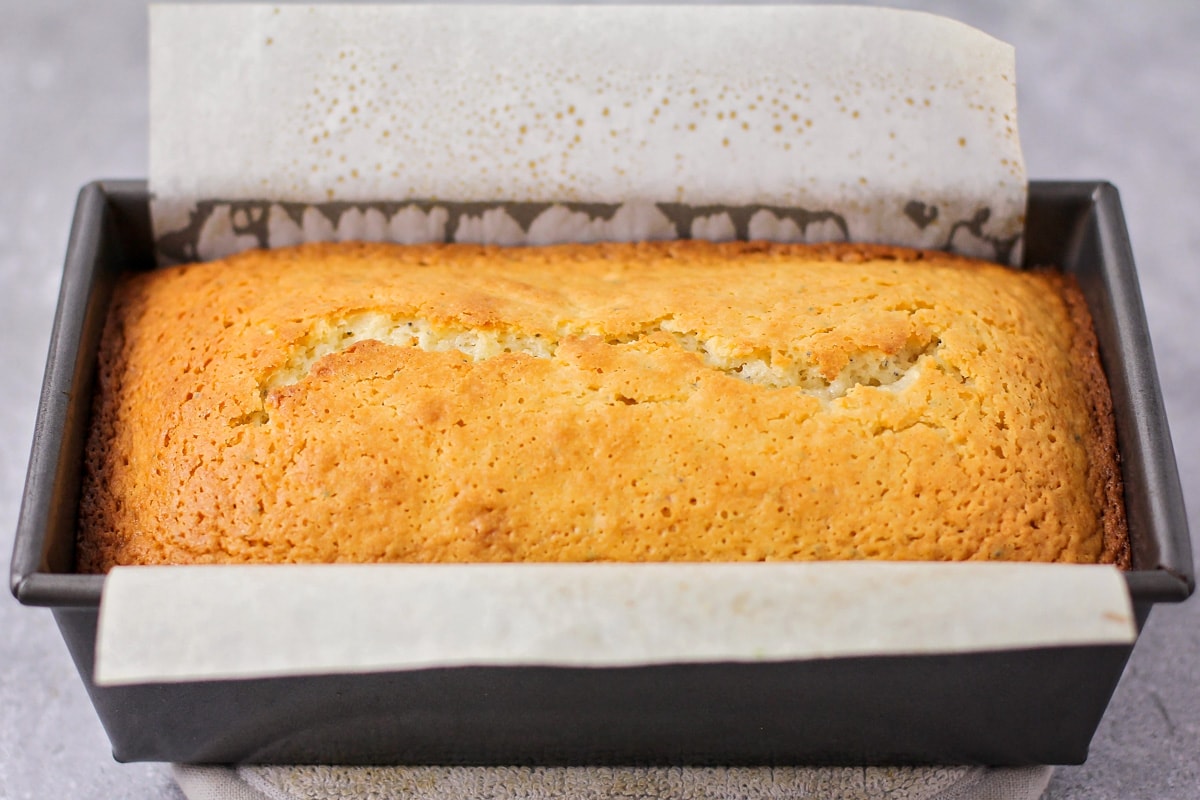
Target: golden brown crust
column 657, row 401
column 1104, row 457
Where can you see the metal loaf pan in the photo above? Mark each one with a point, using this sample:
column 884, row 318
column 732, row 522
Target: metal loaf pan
column 1010, row 707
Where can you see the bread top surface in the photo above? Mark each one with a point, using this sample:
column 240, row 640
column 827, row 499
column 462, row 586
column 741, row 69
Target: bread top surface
column 663, row 401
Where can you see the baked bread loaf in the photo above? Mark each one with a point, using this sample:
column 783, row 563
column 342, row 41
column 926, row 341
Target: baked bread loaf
column 617, row 402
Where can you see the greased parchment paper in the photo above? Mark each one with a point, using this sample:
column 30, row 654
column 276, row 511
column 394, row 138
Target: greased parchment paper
column 510, row 125
column 536, row 124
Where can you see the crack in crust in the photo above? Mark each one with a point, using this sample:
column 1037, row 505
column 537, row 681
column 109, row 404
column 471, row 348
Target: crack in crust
column 782, row 368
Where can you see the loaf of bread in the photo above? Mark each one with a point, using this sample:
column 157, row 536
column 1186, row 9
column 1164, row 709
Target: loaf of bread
column 624, row 402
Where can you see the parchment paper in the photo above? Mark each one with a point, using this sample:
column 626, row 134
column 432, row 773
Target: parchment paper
column 510, row 125
column 274, row 125
column 254, row 621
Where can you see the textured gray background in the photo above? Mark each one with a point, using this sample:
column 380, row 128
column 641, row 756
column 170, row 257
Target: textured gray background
column 1107, row 90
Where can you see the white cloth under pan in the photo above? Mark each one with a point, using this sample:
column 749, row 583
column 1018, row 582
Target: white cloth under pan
column 605, row 783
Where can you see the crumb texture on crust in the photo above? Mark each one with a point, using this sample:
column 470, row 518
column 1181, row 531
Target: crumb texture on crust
column 668, row 401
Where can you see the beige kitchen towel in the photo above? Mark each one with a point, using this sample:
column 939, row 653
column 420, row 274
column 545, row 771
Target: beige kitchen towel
column 606, row 783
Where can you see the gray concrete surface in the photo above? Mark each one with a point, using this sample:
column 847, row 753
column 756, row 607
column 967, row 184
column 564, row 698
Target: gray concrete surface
column 1108, row 90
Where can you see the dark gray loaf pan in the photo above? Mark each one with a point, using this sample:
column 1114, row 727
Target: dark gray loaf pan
column 1011, row 707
